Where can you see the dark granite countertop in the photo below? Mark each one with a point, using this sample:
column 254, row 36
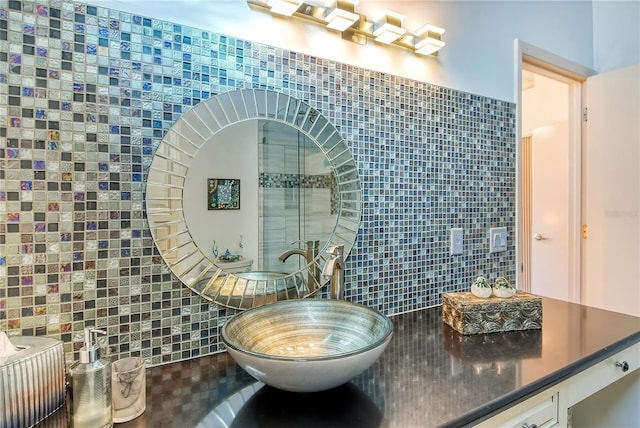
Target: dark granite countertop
column 428, row 376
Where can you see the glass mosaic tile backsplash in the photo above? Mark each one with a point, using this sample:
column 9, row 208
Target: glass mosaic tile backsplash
column 86, row 95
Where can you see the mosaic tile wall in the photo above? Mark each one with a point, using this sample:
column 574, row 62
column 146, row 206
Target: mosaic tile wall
column 86, row 94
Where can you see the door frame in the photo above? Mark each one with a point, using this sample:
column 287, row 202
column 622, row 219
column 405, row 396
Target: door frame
column 545, row 62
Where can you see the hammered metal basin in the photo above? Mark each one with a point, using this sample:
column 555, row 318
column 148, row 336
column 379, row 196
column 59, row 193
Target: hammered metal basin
column 307, row 345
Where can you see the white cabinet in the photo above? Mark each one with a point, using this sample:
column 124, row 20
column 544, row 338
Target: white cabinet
column 606, row 394
column 617, row 405
column 541, row 411
column 603, row 374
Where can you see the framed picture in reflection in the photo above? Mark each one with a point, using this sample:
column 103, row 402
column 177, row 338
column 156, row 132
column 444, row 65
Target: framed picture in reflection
column 223, row 194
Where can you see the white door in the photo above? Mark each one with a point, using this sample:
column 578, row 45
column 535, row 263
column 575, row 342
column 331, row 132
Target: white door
column 550, row 211
column 550, row 117
column 611, row 256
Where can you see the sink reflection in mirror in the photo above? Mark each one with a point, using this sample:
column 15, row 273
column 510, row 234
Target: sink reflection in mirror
column 244, row 290
column 243, row 293
column 297, row 184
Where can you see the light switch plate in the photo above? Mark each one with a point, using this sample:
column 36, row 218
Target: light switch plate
column 457, row 241
column 497, row 239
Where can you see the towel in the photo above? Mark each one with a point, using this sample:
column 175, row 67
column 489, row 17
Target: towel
column 6, row 347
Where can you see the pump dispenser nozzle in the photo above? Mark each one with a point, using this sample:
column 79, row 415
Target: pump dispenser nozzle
column 90, row 352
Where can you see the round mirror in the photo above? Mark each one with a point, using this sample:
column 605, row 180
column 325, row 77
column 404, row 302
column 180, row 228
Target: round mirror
column 245, row 193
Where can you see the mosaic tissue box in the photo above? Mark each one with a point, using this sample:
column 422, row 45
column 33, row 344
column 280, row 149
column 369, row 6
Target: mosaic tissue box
column 32, row 382
column 468, row 314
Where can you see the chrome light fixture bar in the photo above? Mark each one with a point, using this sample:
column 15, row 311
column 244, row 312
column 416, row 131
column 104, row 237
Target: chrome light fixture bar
column 340, row 15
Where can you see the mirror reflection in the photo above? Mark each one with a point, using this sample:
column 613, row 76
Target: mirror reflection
column 246, row 192
column 286, row 193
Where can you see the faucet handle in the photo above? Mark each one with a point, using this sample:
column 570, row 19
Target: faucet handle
column 336, row 250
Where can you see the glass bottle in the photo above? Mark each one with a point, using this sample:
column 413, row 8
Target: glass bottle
column 91, row 383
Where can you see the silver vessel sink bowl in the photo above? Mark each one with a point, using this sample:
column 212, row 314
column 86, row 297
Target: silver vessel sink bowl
column 307, row 345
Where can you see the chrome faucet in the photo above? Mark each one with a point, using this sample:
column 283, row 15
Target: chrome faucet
column 334, row 269
column 313, row 278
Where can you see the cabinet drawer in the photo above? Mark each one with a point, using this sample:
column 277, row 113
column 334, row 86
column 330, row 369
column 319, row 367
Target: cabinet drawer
column 540, row 411
column 603, row 374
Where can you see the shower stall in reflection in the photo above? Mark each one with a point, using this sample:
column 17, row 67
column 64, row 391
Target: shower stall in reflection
column 297, row 194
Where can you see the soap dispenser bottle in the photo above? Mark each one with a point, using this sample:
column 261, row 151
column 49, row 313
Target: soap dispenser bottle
column 91, row 383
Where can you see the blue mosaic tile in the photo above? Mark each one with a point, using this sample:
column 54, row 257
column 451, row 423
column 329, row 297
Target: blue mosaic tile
column 87, row 110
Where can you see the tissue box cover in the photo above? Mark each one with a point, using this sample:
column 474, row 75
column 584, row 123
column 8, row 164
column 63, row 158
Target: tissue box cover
column 468, row 314
column 32, row 383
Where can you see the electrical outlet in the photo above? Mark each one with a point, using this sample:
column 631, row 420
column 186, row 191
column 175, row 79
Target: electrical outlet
column 457, row 240
column 497, row 239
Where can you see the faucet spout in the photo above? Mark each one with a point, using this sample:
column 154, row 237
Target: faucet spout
column 334, row 270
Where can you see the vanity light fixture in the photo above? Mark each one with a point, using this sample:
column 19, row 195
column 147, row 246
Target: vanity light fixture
column 284, row 7
column 341, row 14
column 388, row 28
column 428, row 40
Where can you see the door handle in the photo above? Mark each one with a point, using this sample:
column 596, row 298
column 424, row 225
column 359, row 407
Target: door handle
column 539, row 237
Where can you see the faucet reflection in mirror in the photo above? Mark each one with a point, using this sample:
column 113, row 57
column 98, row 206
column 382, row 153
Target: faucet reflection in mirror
column 309, row 255
column 334, row 270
